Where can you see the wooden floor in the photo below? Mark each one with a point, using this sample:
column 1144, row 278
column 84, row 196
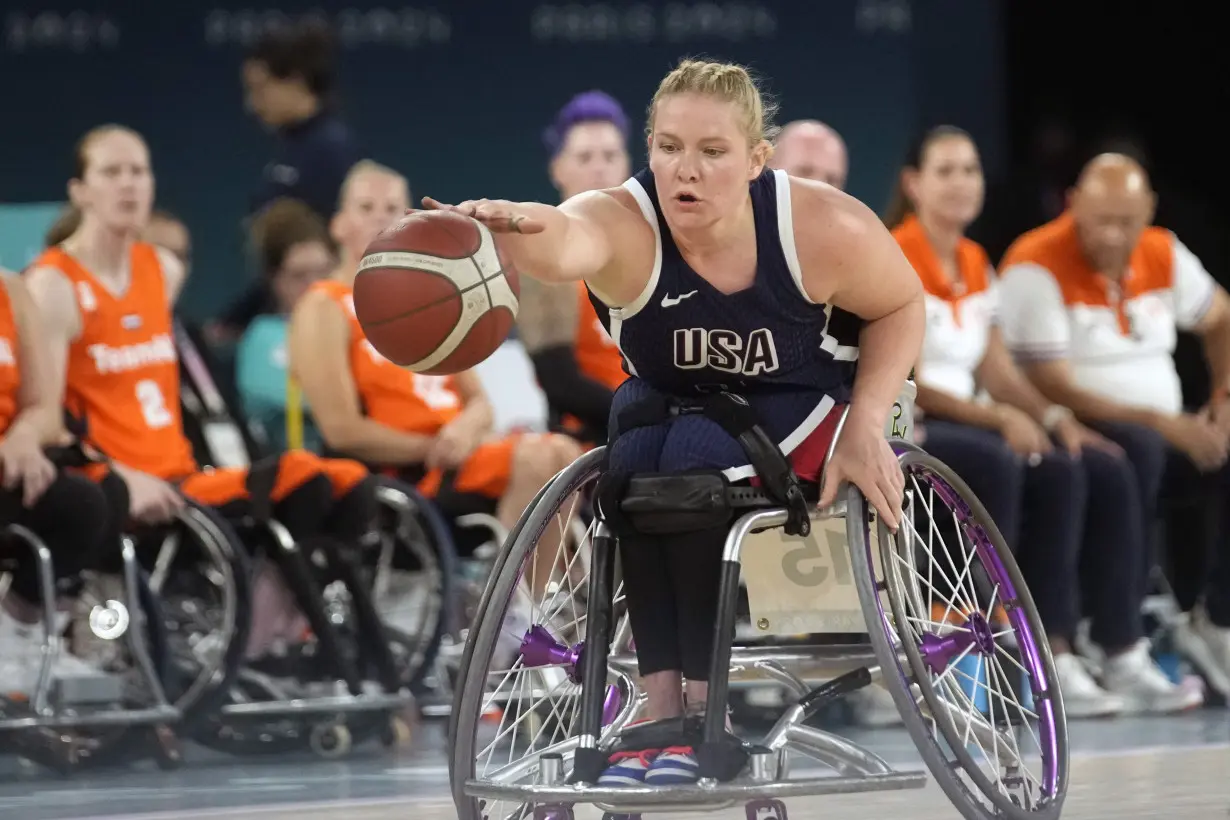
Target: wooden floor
column 1191, row 784
column 1178, row 769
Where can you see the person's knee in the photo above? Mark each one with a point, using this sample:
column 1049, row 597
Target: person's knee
column 537, row 459
column 1145, row 449
column 354, row 513
column 1111, row 476
column 304, row 509
column 564, row 449
column 74, row 505
column 1060, row 474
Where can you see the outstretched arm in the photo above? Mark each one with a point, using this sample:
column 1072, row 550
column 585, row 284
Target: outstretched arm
column 574, row 241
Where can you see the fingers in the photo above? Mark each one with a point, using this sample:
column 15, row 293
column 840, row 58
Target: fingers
column 833, row 477
column 35, row 482
column 879, row 500
column 433, row 205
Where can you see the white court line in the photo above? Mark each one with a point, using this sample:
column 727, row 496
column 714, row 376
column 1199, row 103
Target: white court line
column 406, row 800
column 274, row 808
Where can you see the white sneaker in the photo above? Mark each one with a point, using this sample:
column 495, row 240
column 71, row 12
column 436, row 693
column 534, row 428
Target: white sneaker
column 1216, row 642
column 1144, row 686
column 1082, row 697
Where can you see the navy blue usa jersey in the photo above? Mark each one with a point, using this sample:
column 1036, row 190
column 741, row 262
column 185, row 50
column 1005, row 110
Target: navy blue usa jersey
column 790, row 357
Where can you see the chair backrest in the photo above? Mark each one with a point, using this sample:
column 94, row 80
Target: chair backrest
column 218, row 438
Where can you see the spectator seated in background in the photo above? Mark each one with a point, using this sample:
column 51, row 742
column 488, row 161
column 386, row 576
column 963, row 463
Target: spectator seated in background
column 434, row 431
column 1092, row 305
column 577, row 363
column 294, row 250
column 809, row 149
column 1059, row 508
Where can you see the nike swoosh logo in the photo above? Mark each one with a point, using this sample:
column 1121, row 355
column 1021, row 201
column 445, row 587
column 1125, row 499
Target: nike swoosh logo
column 671, row 301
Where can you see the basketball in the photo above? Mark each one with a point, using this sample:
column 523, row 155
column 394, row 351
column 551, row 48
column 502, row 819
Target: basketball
column 434, row 293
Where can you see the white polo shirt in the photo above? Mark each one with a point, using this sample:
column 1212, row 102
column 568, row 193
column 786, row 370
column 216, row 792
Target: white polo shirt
column 1119, row 338
column 959, row 317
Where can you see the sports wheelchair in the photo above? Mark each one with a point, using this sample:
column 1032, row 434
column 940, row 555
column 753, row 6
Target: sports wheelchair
column 102, row 702
column 347, row 680
column 974, row 683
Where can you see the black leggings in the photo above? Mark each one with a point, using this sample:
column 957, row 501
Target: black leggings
column 79, row 521
column 1064, row 519
column 672, row 585
column 310, row 509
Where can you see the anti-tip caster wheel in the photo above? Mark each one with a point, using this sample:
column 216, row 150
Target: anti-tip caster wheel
column 330, row 740
column 396, row 733
column 766, row 810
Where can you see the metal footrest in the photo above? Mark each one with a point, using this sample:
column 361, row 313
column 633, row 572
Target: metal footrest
column 313, row 705
column 161, row 714
column 640, row 799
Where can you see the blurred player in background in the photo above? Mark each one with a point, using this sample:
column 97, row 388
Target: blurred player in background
column 435, row 431
column 809, row 149
column 106, row 301
column 577, row 363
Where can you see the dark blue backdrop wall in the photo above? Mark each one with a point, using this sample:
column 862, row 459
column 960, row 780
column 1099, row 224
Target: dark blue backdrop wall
column 456, row 94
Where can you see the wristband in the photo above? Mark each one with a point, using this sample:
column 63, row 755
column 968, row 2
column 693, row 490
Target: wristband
column 1053, row 416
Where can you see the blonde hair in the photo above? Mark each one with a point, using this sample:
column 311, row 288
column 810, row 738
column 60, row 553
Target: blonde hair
column 81, row 152
column 729, row 82
column 369, row 166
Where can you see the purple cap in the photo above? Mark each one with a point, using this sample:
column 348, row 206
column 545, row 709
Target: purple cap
column 590, row 106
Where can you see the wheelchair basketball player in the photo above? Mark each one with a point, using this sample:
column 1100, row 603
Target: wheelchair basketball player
column 735, row 270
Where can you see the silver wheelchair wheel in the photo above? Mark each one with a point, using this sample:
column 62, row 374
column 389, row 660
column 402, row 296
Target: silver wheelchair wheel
column 955, row 685
column 207, row 604
column 413, row 583
column 519, row 695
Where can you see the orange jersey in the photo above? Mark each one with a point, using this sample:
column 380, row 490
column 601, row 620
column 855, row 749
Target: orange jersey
column 390, row 394
column 973, row 264
column 123, row 370
column 10, row 368
column 597, row 355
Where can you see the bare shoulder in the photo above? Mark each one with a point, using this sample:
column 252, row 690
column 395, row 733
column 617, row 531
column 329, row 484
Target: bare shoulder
column 829, row 220
column 611, row 208
column 839, row 239
column 15, row 285
column 316, row 313
column 51, row 292
column 48, row 283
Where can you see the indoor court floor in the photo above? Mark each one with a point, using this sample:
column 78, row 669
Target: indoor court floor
column 1177, row 768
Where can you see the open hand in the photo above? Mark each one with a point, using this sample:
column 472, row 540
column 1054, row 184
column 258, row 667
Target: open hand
column 499, row 215
column 864, row 458
column 24, row 464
